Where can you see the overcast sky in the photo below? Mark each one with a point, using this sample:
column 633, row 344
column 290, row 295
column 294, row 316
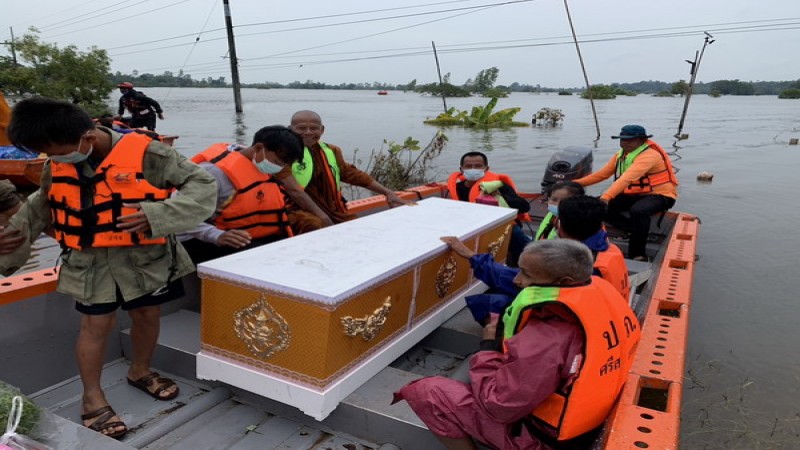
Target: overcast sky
column 390, row 41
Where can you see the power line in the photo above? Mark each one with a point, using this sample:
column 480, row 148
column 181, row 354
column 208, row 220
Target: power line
column 374, row 34
column 696, row 28
column 83, row 17
column 478, row 7
column 781, row 27
column 116, row 21
column 471, row 47
column 293, row 20
column 72, row 8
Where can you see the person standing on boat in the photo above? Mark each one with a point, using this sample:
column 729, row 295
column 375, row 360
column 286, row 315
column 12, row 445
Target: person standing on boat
column 251, row 208
column 314, row 183
column 475, row 183
column 582, row 221
column 107, row 199
column 143, row 109
column 548, row 371
column 558, row 191
column 644, row 184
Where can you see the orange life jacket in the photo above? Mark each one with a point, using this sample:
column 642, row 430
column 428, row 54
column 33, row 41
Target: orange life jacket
column 611, row 265
column 645, row 184
column 118, row 179
column 612, row 333
column 258, row 206
column 475, row 191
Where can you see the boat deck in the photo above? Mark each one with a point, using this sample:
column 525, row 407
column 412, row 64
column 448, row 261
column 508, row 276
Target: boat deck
column 37, row 356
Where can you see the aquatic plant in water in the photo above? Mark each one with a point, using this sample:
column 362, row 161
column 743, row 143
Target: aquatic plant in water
column 399, row 166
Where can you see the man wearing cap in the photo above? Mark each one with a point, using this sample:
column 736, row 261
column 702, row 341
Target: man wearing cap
column 143, row 109
column 644, row 184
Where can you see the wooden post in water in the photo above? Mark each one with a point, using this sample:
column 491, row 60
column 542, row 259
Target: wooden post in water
column 439, row 71
column 237, row 94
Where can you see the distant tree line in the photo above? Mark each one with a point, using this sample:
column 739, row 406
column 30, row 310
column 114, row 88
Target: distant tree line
column 166, row 79
column 482, row 84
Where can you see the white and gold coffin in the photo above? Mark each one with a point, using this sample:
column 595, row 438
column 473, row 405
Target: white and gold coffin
column 306, row 320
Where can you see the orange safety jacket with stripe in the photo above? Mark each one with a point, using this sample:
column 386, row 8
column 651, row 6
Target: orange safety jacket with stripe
column 258, row 206
column 475, row 191
column 85, row 211
column 612, row 333
column 645, row 184
column 610, row 265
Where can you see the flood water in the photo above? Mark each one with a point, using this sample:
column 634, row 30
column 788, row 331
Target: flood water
column 742, row 380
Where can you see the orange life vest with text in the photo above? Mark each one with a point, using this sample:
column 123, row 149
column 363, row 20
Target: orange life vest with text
column 612, row 333
column 475, row 190
column 645, row 184
column 85, row 211
column 258, row 206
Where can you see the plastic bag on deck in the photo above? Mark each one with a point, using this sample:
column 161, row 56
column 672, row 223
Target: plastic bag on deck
column 11, row 440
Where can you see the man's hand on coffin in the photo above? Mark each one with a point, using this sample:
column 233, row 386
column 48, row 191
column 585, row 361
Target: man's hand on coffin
column 395, row 200
column 234, row 238
column 136, row 222
column 457, row 246
column 10, row 239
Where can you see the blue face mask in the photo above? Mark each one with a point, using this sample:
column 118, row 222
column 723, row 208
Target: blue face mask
column 75, row 157
column 268, row 167
column 553, row 209
column 474, row 174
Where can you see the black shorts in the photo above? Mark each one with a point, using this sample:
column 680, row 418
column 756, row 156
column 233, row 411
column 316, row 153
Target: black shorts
column 174, row 291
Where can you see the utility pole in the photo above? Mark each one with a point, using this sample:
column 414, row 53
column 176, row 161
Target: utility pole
column 237, row 94
column 13, row 47
column 698, row 56
column 439, row 70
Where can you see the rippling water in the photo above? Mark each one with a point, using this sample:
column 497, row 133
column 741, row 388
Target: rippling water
column 741, row 386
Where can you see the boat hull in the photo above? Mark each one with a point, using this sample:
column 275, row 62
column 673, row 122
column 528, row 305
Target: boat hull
column 24, row 173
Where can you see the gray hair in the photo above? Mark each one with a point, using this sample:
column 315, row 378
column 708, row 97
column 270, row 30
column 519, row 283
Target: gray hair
column 563, row 258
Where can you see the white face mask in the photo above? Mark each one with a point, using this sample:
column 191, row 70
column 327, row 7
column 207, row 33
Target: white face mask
column 268, row 167
column 474, row 174
column 73, row 158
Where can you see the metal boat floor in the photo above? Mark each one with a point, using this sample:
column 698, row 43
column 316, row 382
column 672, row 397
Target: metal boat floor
column 201, row 417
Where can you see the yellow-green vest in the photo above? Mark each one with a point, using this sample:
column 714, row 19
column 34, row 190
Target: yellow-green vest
column 303, row 170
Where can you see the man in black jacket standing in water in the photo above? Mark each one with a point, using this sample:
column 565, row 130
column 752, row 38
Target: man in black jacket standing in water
column 143, row 109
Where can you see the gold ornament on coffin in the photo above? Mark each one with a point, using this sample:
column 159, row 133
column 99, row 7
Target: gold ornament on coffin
column 370, row 325
column 262, row 329
column 495, row 246
column 446, row 276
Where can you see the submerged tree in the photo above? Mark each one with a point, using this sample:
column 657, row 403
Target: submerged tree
column 478, row 117
column 599, row 92
column 63, row 73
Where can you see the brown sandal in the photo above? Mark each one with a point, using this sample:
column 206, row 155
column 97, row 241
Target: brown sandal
column 147, row 381
column 103, row 415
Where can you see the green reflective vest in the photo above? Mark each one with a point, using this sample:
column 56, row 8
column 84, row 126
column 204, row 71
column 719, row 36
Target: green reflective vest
column 526, row 297
column 624, row 163
column 302, row 170
column 547, row 229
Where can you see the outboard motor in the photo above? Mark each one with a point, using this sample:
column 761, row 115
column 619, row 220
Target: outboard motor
column 567, row 164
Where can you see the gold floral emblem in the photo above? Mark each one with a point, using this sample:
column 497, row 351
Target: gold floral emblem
column 370, row 325
column 446, row 276
column 495, row 246
column 263, row 330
